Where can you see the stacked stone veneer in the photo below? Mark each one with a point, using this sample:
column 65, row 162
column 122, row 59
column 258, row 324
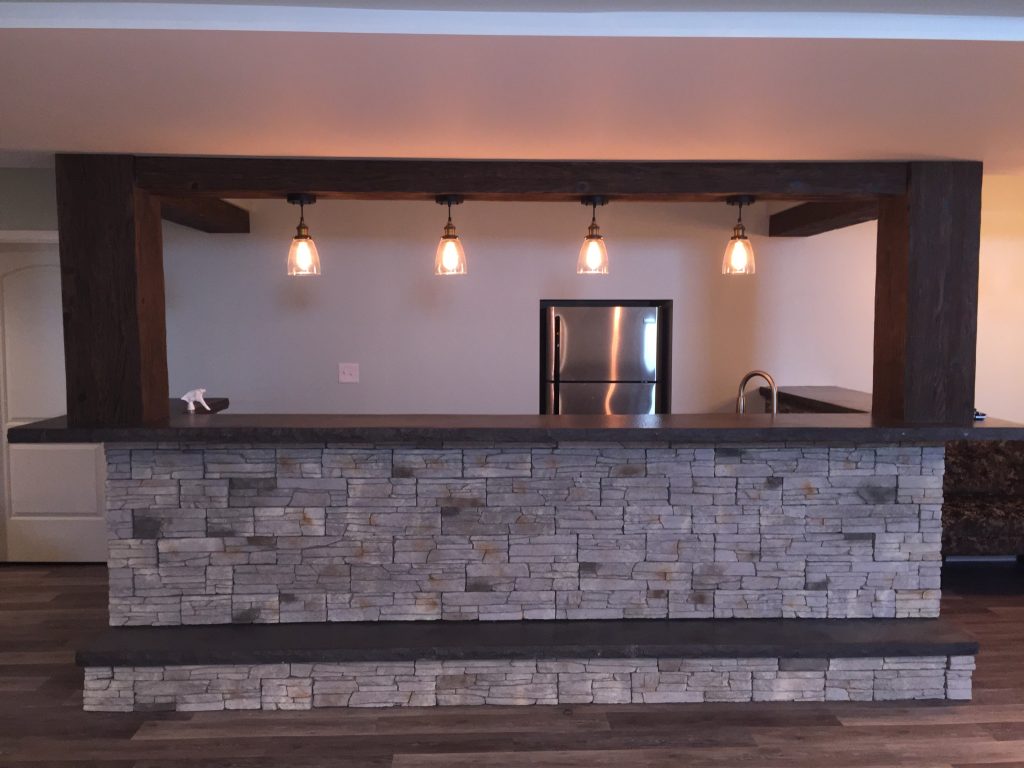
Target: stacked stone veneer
column 562, row 681
column 205, row 534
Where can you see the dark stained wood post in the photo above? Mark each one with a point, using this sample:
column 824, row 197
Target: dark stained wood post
column 926, row 295
column 112, row 281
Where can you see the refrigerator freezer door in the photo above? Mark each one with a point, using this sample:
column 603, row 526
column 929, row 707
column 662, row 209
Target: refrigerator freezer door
column 610, row 399
column 602, row 343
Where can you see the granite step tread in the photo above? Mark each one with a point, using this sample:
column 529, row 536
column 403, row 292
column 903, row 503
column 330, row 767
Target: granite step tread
column 451, row 640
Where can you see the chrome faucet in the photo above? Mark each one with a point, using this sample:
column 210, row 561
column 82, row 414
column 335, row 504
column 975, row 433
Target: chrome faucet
column 741, row 397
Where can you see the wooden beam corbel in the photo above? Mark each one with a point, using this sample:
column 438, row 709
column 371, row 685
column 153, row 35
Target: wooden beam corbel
column 207, row 214
column 814, row 218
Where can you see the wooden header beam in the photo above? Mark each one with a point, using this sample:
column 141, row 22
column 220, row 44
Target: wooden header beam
column 536, row 180
column 109, row 209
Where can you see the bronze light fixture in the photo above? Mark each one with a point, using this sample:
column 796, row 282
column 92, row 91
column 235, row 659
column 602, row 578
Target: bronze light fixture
column 450, row 258
column 303, row 258
column 739, row 253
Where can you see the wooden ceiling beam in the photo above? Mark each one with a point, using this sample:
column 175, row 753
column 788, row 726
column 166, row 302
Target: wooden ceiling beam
column 817, row 217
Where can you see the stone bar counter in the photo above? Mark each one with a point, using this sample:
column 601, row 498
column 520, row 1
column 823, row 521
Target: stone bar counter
column 623, row 559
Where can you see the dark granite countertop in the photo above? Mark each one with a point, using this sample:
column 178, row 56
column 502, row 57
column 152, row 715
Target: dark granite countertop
column 439, row 429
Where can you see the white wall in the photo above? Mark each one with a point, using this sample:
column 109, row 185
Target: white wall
column 239, row 326
column 815, row 308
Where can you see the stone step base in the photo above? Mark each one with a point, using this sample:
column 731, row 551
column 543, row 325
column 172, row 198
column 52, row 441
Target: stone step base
column 298, row 686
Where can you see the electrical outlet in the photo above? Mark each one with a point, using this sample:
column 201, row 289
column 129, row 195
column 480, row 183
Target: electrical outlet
column 348, row 373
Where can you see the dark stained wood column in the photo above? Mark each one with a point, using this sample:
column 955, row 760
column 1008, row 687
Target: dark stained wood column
column 926, row 295
column 111, row 256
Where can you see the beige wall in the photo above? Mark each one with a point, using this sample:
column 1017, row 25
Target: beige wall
column 1000, row 381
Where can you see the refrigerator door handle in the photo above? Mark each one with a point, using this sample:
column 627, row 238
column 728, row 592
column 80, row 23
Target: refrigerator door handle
column 558, row 363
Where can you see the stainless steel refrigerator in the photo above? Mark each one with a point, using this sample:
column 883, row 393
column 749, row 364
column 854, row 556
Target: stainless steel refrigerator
column 605, row 357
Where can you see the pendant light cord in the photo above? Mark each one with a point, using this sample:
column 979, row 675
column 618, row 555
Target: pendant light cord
column 593, row 216
column 302, row 214
column 449, row 212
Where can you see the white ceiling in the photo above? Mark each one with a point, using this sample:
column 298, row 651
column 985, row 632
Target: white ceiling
column 319, row 94
column 956, row 7
column 865, row 19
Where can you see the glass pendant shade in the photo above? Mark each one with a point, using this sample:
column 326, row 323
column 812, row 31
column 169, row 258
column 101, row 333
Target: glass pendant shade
column 593, row 258
column 450, row 258
column 303, row 258
column 739, row 254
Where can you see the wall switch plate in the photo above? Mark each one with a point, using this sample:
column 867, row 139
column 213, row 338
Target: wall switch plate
column 348, row 373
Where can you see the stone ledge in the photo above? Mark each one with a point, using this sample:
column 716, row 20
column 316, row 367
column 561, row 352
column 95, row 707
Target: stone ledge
column 545, row 639
column 524, row 682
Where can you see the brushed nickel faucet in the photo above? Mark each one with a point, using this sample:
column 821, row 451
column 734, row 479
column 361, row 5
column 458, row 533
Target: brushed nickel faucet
column 741, row 397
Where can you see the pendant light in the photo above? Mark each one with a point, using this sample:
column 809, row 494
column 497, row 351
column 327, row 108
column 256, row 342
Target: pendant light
column 593, row 258
column 450, row 258
column 739, row 253
column 303, row 258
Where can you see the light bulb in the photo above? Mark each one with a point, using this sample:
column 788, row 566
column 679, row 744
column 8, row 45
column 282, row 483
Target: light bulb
column 303, row 258
column 593, row 259
column 739, row 257
column 450, row 258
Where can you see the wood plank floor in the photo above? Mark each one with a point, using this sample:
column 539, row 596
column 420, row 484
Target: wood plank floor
column 46, row 611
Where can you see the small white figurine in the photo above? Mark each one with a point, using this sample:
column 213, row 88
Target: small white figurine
column 194, row 396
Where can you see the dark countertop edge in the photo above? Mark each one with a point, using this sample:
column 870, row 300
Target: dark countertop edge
column 435, row 430
column 438, row 641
